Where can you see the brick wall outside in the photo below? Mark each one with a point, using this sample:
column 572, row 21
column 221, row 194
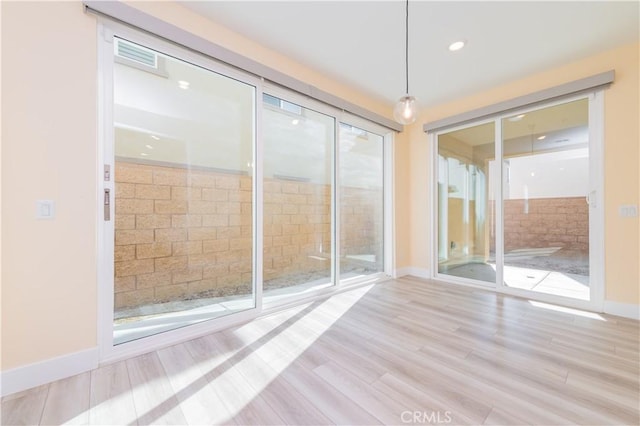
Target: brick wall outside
column 550, row 222
column 297, row 229
column 361, row 222
column 183, row 234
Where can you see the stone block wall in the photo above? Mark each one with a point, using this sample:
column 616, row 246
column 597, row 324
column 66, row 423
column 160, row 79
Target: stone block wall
column 297, row 229
column 182, row 234
column 361, row 222
column 549, row 222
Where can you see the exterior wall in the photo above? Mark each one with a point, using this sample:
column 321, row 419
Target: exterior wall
column 362, row 222
column 184, row 234
column 180, row 234
column 549, row 222
column 297, row 229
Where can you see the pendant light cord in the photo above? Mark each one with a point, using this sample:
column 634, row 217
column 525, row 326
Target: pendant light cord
column 406, row 45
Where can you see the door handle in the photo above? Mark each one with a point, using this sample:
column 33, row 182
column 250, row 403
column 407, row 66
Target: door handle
column 591, row 199
column 107, row 204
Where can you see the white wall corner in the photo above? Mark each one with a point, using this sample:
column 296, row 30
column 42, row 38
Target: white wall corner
column 627, row 310
column 413, row 271
column 40, row 373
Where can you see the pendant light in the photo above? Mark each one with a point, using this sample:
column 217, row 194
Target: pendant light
column 406, row 110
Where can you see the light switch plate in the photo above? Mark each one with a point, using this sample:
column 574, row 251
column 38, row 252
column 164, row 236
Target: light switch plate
column 45, row 209
column 628, row 210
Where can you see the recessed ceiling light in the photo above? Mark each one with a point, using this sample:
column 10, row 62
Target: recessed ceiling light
column 155, row 137
column 183, row 84
column 149, row 146
column 457, row 45
column 541, row 137
column 517, row 117
column 144, row 154
column 295, row 122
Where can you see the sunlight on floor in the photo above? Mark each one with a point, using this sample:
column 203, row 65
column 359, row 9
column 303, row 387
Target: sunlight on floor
column 548, row 282
column 284, row 346
column 565, row 310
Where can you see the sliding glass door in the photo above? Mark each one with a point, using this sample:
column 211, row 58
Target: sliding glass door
column 221, row 194
column 361, row 202
column 182, row 172
column 546, row 214
column 466, row 207
column 515, row 200
column 298, row 187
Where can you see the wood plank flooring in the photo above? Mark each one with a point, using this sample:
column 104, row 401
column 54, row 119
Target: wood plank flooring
column 405, row 351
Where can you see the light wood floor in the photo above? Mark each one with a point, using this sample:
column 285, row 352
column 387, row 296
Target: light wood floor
column 403, row 351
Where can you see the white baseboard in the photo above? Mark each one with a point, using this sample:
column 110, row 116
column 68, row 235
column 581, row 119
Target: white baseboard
column 40, row 373
column 627, row 310
column 413, row 271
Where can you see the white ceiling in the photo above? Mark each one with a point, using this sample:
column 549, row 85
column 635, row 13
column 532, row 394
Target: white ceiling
column 361, row 43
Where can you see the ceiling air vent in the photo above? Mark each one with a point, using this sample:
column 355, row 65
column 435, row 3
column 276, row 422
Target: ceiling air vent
column 137, row 54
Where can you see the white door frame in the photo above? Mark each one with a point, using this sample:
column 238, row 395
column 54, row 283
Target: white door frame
column 107, row 31
column 596, row 210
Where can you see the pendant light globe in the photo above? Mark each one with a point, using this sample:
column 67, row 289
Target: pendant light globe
column 406, row 110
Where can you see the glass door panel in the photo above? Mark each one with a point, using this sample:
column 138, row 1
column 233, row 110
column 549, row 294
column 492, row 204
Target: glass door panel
column 466, row 206
column 184, row 142
column 298, row 188
column 546, row 216
column 361, row 202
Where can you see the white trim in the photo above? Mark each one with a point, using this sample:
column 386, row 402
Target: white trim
column 105, row 230
column 173, row 337
column 626, row 310
column 336, row 194
column 43, row 372
column 434, row 204
column 596, row 212
column 498, row 200
column 258, row 200
column 413, row 271
column 389, row 203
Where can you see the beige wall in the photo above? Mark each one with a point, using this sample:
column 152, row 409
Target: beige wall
column 622, row 140
column 49, row 144
column 402, row 197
